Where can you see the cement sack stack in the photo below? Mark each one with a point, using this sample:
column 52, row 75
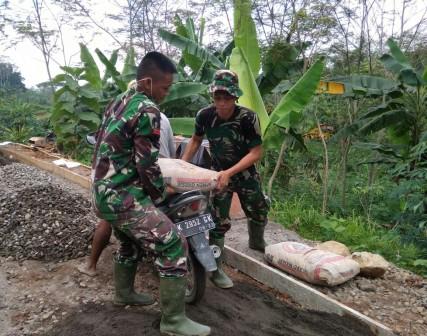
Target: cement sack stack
column 184, row 176
column 310, row 264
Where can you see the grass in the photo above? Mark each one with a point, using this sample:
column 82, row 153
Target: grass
column 354, row 231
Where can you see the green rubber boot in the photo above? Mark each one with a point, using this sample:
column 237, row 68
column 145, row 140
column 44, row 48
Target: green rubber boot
column 174, row 321
column 256, row 237
column 124, row 278
column 218, row 277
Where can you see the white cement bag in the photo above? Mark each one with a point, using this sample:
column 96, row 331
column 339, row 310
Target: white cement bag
column 184, row 176
column 310, row 264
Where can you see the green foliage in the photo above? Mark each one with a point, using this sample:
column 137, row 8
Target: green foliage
column 288, row 112
column 251, row 96
column 190, row 47
column 10, row 78
column 182, row 126
column 18, row 117
column 183, row 90
column 297, row 214
column 245, row 36
column 368, row 86
column 279, row 63
column 83, row 94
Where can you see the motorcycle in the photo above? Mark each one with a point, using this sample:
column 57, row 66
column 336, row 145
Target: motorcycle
column 189, row 212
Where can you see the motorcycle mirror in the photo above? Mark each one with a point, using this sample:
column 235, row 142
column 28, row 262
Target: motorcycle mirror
column 91, row 138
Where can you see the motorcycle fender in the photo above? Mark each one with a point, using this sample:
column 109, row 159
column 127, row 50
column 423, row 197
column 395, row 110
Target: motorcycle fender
column 199, row 245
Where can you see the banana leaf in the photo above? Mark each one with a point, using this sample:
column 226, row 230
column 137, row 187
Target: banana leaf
column 202, row 30
column 399, row 64
column 190, row 47
column 129, row 67
column 74, row 71
column 380, row 148
column 91, row 73
column 251, row 96
column 89, row 116
column 371, row 86
column 384, row 120
column 245, row 35
column 110, row 68
column 184, row 89
column 187, row 31
column 380, row 109
column 279, row 63
column 189, row 24
column 182, row 126
column 289, row 110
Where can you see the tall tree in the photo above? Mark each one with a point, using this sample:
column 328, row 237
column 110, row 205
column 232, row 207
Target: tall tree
column 10, row 77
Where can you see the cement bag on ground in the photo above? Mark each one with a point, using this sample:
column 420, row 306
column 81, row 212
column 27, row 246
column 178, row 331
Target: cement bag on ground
column 310, row 264
column 184, row 176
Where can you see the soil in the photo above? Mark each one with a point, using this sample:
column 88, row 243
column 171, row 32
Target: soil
column 55, row 299
column 50, row 297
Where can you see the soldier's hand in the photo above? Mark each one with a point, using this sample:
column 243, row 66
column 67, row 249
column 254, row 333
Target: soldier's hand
column 223, row 180
column 170, row 190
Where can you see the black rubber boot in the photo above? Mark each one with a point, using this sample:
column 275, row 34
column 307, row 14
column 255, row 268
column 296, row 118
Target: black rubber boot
column 256, row 237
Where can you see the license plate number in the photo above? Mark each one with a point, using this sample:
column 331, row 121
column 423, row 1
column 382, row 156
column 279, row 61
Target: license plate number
column 195, row 225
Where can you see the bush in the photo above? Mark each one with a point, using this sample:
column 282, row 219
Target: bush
column 18, row 120
column 297, row 214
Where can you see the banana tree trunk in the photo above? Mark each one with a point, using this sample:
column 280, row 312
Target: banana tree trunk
column 276, row 168
column 325, row 165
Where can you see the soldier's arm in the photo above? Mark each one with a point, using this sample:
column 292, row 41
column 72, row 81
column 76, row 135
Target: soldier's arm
column 252, row 137
column 196, row 139
column 146, row 143
column 254, row 155
column 192, row 147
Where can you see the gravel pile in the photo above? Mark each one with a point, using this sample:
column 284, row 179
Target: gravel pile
column 41, row 219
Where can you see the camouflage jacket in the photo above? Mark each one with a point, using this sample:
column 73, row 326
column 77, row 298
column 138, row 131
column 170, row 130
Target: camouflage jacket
column 229, row 140
column 125, row 174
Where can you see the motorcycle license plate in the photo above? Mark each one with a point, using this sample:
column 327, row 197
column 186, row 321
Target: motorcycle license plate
column 195, row 225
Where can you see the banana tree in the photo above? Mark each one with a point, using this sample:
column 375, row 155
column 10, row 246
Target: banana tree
column 199, row 59
column 406, row 113
column 281, row 123
column 83, row 93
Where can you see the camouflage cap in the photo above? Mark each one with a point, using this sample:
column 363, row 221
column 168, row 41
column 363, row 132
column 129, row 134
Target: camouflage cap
column 226, row 80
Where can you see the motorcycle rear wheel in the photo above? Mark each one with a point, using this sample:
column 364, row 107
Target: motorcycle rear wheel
column 196, row 280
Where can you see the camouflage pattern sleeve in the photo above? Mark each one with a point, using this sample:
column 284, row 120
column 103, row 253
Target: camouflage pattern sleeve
column 252, row 130
column 146, row 150
column 199, row 127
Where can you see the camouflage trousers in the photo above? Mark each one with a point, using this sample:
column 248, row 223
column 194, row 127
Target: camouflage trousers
column 254, row 205
column 153, row 231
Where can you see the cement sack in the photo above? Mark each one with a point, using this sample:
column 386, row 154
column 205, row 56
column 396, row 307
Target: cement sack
column 184, row 176
column 310, row 264
column 334, row 247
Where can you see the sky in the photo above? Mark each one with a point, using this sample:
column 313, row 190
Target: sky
column 29, row 60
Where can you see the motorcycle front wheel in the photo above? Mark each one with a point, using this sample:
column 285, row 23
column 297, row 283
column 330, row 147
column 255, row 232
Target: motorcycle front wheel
column 196, row 280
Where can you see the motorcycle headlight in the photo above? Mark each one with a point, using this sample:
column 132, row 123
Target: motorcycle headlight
column 194, row 208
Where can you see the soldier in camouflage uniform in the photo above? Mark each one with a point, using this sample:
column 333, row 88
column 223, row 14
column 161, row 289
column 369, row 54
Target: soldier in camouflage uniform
column 127, row 186
column 235, row 142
